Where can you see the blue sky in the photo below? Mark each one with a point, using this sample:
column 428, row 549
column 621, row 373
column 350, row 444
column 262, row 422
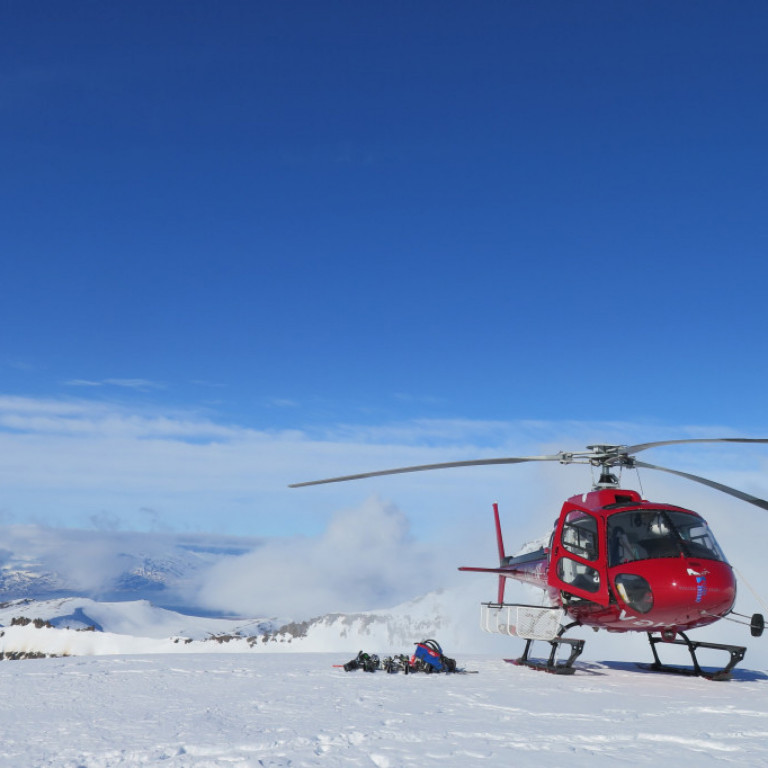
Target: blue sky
column 245, row 244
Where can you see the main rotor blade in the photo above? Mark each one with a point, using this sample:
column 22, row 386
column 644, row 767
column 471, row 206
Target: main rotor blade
column 423, row 467
column 758, row 502
column 632, row 449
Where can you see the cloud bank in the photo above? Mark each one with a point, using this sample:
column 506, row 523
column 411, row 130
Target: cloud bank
column 80, row 462
column 365, row 559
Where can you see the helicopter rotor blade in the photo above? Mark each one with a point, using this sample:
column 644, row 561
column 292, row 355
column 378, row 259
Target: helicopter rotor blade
column 632, row 449
column 758, row 502
column 424, row 467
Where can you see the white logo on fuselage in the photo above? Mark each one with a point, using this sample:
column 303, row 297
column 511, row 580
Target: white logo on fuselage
column 635, row 621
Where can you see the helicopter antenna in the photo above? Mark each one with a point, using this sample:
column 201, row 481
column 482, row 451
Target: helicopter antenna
column 640, row 482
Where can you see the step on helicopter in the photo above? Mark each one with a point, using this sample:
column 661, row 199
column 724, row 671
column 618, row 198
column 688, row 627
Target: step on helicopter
column 615, row 561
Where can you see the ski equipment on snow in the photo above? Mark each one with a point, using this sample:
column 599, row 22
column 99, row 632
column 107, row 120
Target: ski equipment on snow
column 428, row 658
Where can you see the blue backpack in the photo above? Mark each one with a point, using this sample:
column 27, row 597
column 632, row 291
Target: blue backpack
column 431, row 656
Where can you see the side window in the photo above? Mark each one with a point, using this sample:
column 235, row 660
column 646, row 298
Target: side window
column 580, row 535
column 578, row 575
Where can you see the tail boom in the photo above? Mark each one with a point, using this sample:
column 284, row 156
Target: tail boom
column 530, row 568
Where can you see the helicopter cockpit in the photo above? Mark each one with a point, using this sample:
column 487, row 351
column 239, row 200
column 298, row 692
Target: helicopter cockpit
column 656, row 533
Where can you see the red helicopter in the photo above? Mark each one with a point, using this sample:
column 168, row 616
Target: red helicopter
column 616, row 562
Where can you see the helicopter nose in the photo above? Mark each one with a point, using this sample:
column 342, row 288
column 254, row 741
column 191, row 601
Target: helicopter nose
column 711, row 584
column 707, row 588
column 677, row 591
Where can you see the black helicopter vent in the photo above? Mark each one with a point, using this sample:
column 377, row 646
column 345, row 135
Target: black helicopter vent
column 621, row 500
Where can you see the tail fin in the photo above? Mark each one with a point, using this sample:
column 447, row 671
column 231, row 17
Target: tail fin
column 502, row 556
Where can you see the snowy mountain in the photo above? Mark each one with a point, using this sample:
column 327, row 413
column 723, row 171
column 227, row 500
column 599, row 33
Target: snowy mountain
column 83, row 626
column 42, row 563
column 139, row 593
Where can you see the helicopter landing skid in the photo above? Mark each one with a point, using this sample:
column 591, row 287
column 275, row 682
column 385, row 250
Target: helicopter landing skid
column 737, row 654
column 552, row 665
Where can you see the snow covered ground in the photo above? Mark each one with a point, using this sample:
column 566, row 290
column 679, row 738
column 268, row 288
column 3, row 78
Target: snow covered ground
column 151, row 686
column 295, row 710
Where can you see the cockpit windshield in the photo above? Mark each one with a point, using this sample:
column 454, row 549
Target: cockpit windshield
column 643, row 534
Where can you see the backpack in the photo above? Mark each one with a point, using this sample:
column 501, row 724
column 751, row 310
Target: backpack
column 429, row 657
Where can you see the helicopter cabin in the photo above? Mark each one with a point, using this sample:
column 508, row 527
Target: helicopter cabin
column 603, row 529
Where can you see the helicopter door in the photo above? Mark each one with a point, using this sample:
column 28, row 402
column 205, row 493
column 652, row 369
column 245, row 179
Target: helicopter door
column 576, row 565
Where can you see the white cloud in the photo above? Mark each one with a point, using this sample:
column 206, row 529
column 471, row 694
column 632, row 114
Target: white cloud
column 364, row 559
column 21, row 365
column 83, row 383
column 82, row 417
column 97, row 562
column 79, row 462
column 141, row 385
column 282, row 402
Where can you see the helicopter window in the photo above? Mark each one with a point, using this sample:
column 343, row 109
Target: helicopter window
column 580, row 534
column 640, row 535
column 578, row 575
column 698, row 540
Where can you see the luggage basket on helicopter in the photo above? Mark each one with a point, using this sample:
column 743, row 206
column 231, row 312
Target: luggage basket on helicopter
column 531, row 622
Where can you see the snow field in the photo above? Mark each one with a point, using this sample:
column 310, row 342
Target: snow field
column 280, row 710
